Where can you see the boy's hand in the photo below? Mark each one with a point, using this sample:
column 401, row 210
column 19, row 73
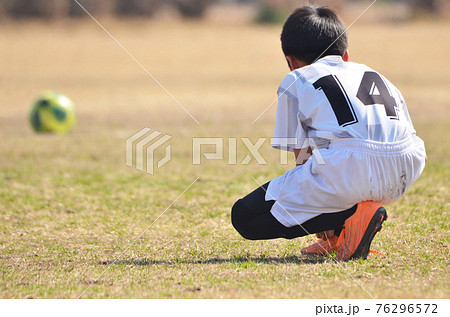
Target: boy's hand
column 325, row 235
column 302, row 155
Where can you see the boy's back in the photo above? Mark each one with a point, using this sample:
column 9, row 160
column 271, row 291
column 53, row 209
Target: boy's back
column 359, row 122
column 333, row 99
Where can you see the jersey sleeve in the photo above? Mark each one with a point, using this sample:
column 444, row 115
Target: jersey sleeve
column 289, row 132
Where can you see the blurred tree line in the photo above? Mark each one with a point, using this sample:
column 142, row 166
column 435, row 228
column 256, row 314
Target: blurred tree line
column 434, row 7
column 54, row 9
column 268, row 9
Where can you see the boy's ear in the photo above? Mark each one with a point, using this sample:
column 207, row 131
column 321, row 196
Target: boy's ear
column 294, row 62
column 346, row 56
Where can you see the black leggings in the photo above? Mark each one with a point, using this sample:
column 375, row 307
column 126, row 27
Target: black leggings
column 251, row 217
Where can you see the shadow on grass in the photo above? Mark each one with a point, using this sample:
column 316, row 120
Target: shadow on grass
column 307, row 259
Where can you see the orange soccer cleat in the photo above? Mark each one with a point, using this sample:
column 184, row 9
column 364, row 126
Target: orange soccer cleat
column 359, row 231
column 322, row 247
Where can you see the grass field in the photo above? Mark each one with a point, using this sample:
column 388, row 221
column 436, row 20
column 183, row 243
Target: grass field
column 69, row 206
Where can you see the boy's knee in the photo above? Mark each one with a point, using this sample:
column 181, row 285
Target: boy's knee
column 237, row 211
column 238, row 219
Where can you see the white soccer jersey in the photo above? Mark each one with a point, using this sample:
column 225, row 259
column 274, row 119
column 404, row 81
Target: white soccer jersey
column 333, row 99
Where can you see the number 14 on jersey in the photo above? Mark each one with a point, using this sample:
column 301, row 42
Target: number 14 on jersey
column 372, row 91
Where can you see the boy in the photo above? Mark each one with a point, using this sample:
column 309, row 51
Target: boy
column 356, row 124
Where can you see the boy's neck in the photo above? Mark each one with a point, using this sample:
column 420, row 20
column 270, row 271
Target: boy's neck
column 295, row 63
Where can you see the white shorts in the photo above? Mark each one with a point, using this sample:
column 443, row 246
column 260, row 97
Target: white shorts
column 351, row 171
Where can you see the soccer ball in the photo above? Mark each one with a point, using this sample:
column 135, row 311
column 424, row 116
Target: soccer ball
column 52, row 112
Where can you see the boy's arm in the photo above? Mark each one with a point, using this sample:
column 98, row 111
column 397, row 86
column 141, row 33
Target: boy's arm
column 302, row 155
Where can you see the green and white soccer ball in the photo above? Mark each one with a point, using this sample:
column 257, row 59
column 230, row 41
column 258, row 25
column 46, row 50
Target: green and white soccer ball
column 53, row 112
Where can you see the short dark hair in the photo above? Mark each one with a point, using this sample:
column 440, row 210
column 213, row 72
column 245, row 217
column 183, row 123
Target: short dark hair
column 312, row 32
